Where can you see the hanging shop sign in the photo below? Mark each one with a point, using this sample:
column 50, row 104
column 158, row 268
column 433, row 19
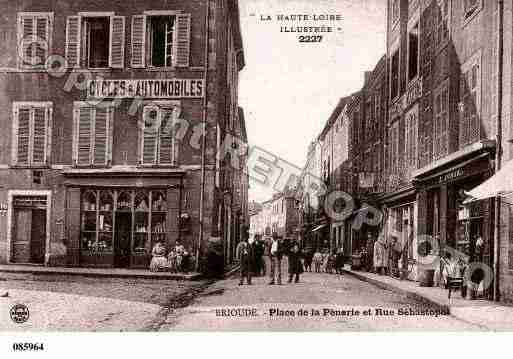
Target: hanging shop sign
column 146, row 88
column 3, row 209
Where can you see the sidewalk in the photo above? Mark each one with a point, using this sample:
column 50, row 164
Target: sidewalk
column 486, row 314
column 96, row 272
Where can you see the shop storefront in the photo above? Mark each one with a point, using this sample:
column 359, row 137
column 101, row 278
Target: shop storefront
column 444, row 214
column 117, row 225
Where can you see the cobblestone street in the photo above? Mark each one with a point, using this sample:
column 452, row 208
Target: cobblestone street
column 58, row 303
column 315, row 291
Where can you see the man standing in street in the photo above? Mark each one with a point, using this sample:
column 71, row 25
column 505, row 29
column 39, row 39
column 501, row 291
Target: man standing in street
column 245, row 256
column 275, row 255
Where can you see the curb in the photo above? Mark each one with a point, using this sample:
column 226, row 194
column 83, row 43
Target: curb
column 149, row 275
column 409, row 294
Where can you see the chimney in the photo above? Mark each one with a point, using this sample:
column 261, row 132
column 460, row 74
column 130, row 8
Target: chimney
column 366, row 77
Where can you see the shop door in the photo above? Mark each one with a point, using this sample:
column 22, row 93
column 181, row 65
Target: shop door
column 38, row 236
column 22, row 229
column 123, row 233
column 29, row 229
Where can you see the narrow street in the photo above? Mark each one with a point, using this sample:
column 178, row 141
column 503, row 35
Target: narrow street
column 314, row 292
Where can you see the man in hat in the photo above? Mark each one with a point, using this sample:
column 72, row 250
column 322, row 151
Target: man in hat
column 245, row 256
column 275, row 255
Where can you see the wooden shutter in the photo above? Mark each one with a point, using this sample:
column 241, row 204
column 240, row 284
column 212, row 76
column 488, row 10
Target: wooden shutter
column 183, row 40
column 42, row 32
column 117, row 42
column 26, row 38
column 23, row 136
column 39, row 135
column 101, row 136
column 84, row 117
column 149, row 136
column 166, row 136
column 138, row 59
column 464, row 110
column 73, row 35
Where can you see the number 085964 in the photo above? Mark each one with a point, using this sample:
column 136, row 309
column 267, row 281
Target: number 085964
column 23, row 347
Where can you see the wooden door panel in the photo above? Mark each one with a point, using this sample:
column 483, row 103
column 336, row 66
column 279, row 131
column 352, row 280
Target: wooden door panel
column 21, row 235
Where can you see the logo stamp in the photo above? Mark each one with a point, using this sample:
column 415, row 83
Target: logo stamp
column 19, row 313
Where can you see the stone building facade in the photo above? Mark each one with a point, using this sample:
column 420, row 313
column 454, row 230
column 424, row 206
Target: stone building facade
column 106, row 104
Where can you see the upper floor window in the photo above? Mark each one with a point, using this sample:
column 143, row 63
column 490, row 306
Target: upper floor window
column 34, row 39
column 441, row 120
column 161, row 39
column 32, row 133
column 470, row 101
column 396, row 10
column 411, row 134
column 95, row 41
column 471, row 7
column 413, row 52
column 92, row 134
column 394, row 75
column 393, row 146
column 442, row 31
column 157, row 139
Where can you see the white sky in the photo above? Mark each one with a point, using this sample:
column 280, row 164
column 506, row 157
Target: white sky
column 289, row 89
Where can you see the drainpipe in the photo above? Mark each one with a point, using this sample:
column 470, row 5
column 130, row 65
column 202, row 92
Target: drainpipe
column 203, row 138
column 498, row 151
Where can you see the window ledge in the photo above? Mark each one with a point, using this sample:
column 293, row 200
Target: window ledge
column 30, row 167
column 83, row 69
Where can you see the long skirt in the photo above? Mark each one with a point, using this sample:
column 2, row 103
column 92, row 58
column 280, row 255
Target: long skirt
column 158, row 264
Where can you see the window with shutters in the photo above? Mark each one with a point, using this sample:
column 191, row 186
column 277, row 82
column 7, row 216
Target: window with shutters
column 92, row 137
column 413, row 52
column 32, row 133
column 161, row 39
column 411, row 135
column 394, row 147
column 443, row 16
column 394, row 75
column 396, row 7
column 441, row 121
column 157, row 142
column 470, row 102
column 34, row 39
column 95, row 41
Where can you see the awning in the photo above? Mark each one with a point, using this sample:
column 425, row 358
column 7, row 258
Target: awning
column 319, row 227
column 500, row 184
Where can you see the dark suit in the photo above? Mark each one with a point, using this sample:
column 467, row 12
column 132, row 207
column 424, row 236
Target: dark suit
column 245, row 254
column 275, row 257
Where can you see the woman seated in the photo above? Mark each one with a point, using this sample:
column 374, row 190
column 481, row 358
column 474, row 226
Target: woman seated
column 158, row 260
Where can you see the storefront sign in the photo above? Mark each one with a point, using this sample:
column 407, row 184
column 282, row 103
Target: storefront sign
column 147, row 88
column 450, row 176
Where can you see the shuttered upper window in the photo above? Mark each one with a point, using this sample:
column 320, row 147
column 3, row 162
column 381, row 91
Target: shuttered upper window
column 31, row 133
column 92, row 137
column 95, row 41
column 157, row 142
column 441, row 118
column 161, row 39
column 34, row 39
column 470, row 102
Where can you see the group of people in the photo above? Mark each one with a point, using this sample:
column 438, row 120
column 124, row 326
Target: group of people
column 382, row 256
column 324, row 261
column 250, row 254
column 178, row 259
